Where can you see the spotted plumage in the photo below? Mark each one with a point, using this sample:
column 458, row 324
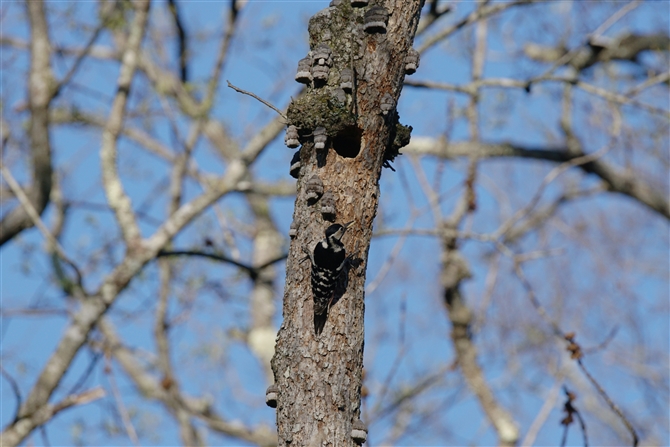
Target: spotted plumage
column 329, row 260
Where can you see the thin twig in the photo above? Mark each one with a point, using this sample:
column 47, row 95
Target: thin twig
column 83, row 53
column 609, row 401
column 181, row 40
column 45, row 436
column 550, row 177
column 78, row 399
column 531, row 293
column 542, row 416
column 15, row 389
column 386, row 268
column 244, row 92
column 33, row 312
column 399, row 356
column 663, row 77
column 127, row 423
column 84, row 377
column 471, row 88
column 37, row 220
column 251, row 270
column 474, row 17
column 408, row 393
column 570, row 410
column 614, row 18
column 431, row 195
column 604, row 343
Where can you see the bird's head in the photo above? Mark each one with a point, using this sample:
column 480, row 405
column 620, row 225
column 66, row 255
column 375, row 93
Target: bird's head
column 336, row 231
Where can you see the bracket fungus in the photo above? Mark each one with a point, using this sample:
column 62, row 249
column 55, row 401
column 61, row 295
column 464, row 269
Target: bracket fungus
column 359, row 432
column 320, row 73
column 321, row 55
column 347, row 80
column 292, row 138
column 295, row 165
column 320, row 138
column 387, row 104
column 304, row 75
column 340, row 95
column 271, row 396
column 375, row 19
column 328, row 206
column 314, row 189
column 412, row 61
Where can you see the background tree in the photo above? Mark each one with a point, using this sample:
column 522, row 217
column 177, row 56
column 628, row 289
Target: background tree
column 146, row 212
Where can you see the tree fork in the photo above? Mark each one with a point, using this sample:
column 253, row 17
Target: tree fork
column 319, row 377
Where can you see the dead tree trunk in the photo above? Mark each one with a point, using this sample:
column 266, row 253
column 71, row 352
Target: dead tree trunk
column 318, row 377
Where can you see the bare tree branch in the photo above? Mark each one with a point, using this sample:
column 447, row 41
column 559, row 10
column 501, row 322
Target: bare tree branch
column 33, row 215
column 201, row 408
column 121, row 408
column 616, row 181
column 478, row 14
column 454, row 271
column 252, row 271
column 181, row 39
column 19, row 429
column 472, row 87
column 116, row 196
column 611, row 404
column 244, row 92
column 435, row 11
column 40, row 94
column 626, row 47
column 15, row 388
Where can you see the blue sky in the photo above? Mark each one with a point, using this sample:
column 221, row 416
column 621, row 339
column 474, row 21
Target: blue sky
column 263, row 57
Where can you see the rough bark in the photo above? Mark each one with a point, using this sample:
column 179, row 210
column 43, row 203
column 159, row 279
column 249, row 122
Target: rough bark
column 319, row 377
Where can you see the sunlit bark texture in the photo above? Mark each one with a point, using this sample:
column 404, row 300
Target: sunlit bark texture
column 319, row 376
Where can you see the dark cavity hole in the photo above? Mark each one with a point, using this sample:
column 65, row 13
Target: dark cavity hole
column 347, row 143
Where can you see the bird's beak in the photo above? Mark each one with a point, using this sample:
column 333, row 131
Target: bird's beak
column 344, row 230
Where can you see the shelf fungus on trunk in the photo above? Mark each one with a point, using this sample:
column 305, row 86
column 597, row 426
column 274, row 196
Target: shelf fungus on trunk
column 320, row 138
column 387, row 103
column 347, row 80
column 320, row 74
column 321, row 55
column 313, row 189
column 359, row 432
column 328, row 210
column 292, row 138
column 375, row 19
column 304, row 74
column 412, row 61
column 293, row 230
column 340, row 95
column 295, row 165
column 271, row 396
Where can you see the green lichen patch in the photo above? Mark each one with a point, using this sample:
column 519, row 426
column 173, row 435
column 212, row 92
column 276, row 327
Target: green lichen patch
column 337, row 27
column 320, row 109
column 400, row 138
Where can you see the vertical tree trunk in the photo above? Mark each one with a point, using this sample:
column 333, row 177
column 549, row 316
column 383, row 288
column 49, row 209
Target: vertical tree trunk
column 319, row 376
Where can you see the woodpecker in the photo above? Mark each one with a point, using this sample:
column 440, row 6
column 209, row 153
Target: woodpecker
column 328, row 263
